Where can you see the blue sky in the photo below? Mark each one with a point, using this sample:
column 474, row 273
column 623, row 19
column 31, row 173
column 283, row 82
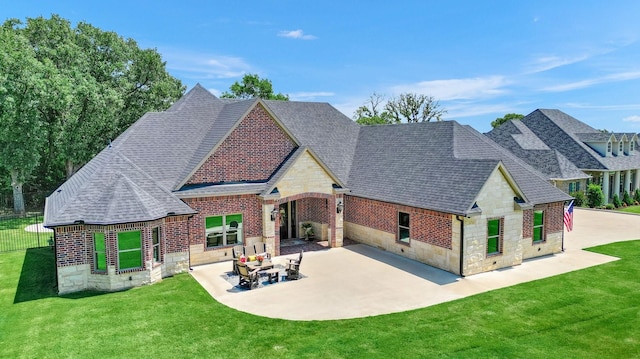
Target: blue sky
column 480, row 59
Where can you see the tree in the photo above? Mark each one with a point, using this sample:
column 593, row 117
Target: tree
column 98, row 84
column 508, row 117
column 253, row 86
column 371, row 114
column 411, row 107
column 408, row 107
column 20, row 85
column 595, row 197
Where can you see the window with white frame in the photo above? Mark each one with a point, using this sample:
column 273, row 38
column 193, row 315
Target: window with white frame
column 223, row 230
column 609, row 147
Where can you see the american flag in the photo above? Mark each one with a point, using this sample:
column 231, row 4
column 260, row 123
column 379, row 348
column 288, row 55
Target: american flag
column 568, row 217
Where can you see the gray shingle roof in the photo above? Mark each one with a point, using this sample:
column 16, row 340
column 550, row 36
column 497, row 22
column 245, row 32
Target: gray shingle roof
column 111, row 189
column 516, row 137
column 567, row 135
column 440, row 166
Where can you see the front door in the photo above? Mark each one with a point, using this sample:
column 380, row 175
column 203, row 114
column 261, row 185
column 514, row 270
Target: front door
column 288, row 223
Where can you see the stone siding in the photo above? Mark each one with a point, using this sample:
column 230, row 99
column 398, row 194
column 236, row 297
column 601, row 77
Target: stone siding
column 496, row 200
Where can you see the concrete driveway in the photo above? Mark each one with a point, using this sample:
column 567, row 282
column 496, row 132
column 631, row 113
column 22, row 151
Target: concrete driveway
column 359, row 280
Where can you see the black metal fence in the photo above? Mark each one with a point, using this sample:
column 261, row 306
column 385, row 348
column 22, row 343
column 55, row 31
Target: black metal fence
column 33, row 201
column 18, row 232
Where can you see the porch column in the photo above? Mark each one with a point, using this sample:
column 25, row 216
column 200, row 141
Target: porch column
column 339, row 221
column 627, row 182
column 616, row 183
column 605, row 186
column 269, row 228
column 636, row 180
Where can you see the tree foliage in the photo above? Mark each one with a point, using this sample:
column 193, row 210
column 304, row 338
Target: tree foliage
column 21, row 83
column 92, row 85
column 373, row 112
column 508, row 117
column 595, row 197
column 253, row 86
column 407, row 107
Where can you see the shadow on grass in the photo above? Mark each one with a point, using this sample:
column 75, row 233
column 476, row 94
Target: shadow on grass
column 38, row 278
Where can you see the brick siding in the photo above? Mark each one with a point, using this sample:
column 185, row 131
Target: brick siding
column 74, row 244
column 252, row 152
column 250, row 206
column 313, row 210
column 553, row 219
column 426, row 226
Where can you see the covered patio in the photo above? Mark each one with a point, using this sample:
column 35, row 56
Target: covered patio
column 359, row 280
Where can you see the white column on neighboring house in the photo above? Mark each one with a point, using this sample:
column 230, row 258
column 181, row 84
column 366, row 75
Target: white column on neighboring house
column 605, row 186
column 616, row 183
column 636, row 180
column 627, row 182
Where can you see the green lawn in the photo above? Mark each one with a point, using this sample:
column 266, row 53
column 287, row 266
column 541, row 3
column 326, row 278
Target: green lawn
column 592, row 313
column 630, row 209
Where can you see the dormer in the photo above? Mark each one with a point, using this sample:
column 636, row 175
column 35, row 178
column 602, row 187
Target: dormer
column 630, row 146
column 619, row 146
column 604, row 143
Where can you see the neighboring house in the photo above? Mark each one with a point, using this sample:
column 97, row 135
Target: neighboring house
column 573, row 154
column 182, row 187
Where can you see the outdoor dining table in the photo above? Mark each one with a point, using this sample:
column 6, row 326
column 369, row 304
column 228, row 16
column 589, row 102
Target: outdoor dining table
column 264, row 265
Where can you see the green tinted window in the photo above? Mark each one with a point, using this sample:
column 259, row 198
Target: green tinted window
column 129, row 250
column 130, row 259
column 538, row 226
column 538, row 217
column 215, row 221
column 234, row 218
column 494, row 227
column 99, row 247
column 493, row 236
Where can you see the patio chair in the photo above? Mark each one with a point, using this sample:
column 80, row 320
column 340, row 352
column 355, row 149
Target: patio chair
column 261, row 247
column 293, row 267
column 236, row 251
column 248, row 278
column 249, row 251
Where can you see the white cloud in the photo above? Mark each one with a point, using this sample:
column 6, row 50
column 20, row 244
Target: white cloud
column 296, row 34
column 634, row 118
column 306, row 96
column 457, row 89
column 622, row 76
column 601, row 107
column 546, row 63
column 205, row 66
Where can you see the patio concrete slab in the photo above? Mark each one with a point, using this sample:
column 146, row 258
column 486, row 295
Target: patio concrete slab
column 359, row 280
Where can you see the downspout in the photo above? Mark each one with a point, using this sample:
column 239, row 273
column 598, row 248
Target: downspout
column 461, row 219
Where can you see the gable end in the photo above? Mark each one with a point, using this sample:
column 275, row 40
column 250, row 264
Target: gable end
column 252, row 152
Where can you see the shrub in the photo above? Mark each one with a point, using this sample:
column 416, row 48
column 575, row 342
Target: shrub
column 636, row 196
column 616, row 201
column 578, row 198
column 595, row 197
column 626, row 198
column 610, row 206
